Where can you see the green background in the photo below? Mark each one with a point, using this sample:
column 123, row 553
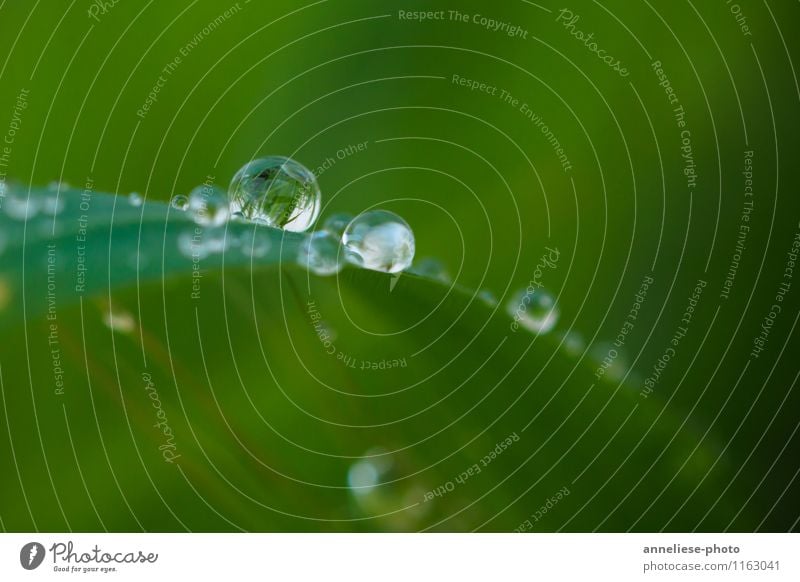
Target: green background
column 266, row 422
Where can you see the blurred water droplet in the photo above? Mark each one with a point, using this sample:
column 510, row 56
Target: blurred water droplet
column 179, row 202
column 19, row 207
column 535, row 311
column 337, row 223
column 432, row 269
column 119, row 321
column 379, row 240
column 573, row 343
column 209, row 205
column 362, row 477
column 487, row 297
column 321, row 253
column 135, row 199
column 278, row 192
column 255, row 243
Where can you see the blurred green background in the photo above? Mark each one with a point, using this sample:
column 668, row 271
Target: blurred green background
column 273, row 433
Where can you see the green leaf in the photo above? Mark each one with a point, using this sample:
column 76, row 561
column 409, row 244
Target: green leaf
column 252, row 395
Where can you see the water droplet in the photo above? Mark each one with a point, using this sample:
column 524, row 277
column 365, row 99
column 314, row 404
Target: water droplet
column 362, row 477
column 209, row 205
column 535, row 311
column 276, row 191
column 487, row 297
column 135, row 199
column 573, row 343
column 432, row 269
column 379, row 240
column 337, row 223
column 321, row 253
column 179, row 202
column 119, row 321
column 20, row 207
column 254, row 243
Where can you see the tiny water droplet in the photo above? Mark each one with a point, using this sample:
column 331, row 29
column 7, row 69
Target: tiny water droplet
column 379, row 240
column 337, row 223
column 179, row 202
column 536, row 311
column 362, row 477
column 278, row 192
column 209, row 205
column 119, row 321
column 135, row 199
column 321, row 253
column 432, row 269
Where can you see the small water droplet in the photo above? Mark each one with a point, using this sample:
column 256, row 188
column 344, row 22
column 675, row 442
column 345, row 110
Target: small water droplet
column 119, row 321
column 535, row 311
column 209, row 205
column 179, row 202
column 278, row 192
column 337, row 223
column 432, row 269
column 135, row 199
column 321, row 253
column 379, row 240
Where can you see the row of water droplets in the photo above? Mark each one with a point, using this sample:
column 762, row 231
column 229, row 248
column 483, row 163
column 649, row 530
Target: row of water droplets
column 279, row 192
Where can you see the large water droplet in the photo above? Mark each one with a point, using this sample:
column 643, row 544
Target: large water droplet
column 278, row 192
column 179, row 202
column 379, row 240
column 536, row 311
column 209, row 205
column 337, row 223
column 321, row 253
